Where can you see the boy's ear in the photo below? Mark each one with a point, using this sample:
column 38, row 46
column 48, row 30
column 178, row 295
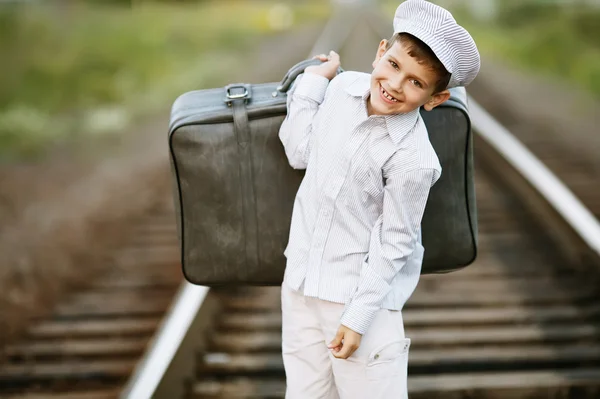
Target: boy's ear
column 380, row 52
column 437, row 99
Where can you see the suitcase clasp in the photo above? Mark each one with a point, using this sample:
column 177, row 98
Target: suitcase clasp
column 230, row 95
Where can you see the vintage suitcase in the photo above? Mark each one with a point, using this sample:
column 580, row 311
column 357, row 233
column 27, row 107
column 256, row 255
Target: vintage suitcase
column 234, row 189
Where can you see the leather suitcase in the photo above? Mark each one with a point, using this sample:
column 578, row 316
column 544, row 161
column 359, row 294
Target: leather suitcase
column 234, row 189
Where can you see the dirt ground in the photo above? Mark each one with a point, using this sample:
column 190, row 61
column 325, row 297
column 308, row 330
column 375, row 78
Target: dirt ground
column 60, row 214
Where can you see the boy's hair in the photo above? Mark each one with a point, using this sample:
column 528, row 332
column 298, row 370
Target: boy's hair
column 424, row 55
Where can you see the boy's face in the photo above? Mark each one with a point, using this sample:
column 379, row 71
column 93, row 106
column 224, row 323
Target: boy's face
column 400, row 76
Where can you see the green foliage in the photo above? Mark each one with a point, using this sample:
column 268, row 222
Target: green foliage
column 64, row 63
column 587, row 25
column 516, row 14
column 562, row 41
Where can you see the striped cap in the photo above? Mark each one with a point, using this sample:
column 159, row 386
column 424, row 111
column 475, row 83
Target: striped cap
column 450, row 42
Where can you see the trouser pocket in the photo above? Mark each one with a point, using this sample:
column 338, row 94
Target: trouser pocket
column 389, row 360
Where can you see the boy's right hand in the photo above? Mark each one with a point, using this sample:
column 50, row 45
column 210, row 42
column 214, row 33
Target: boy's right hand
column 329, row 67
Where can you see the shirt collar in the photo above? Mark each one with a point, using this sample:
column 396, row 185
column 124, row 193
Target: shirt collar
column 398, row 125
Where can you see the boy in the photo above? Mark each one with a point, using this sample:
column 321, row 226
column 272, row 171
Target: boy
column 354, row 253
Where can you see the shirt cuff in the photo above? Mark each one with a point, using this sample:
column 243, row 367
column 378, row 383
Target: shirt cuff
column 358, row 317
column 312, row 86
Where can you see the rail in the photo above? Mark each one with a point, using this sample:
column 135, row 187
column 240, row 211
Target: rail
column 167, row 344
column 537, row 174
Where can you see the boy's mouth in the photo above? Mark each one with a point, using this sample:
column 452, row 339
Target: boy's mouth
column 386, row 95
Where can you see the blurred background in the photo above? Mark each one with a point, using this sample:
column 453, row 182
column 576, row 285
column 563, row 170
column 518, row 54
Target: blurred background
column 73, row 69
column 80, row 70
column 78, row 78
column 86, row 88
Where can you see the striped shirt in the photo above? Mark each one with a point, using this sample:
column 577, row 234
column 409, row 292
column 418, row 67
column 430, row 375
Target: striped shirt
column 355, row 229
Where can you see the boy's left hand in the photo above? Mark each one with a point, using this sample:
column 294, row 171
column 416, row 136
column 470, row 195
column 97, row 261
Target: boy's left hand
column 329, row 67
column 343, row 350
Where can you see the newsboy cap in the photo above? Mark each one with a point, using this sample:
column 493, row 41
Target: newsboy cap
column 450, row 42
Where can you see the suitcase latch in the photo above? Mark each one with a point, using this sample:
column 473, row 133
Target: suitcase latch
column 236, row 92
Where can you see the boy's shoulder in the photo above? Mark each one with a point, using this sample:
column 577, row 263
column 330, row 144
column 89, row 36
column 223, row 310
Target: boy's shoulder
column 351, row 76
column 347, row 79
column 429, row 157
column 415, row 151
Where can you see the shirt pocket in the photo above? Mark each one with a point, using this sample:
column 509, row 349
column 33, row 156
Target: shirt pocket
column 389, row 360
column 374, row 185
column 368, row 180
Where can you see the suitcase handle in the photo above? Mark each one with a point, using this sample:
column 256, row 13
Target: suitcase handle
column 296, row 70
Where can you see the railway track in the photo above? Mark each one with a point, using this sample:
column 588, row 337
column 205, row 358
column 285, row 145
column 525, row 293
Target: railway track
column 90, row 344
column 522, row 322
column 570, row 156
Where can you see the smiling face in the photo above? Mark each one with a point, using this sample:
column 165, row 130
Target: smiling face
column 400, row 84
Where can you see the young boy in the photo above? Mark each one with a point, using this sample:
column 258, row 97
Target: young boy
column 354, row 253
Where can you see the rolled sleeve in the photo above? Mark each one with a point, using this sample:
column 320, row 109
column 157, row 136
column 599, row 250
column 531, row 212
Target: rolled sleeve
column 358, row 317
column 393, row 240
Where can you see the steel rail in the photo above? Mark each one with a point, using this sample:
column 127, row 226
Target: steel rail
column 167, row 340
column 554, row 191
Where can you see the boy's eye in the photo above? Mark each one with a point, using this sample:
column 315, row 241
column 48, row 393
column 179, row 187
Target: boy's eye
column 417, row 83
column 393, row 64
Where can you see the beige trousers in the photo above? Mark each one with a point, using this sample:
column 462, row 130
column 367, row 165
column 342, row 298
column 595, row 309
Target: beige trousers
column 377, row 370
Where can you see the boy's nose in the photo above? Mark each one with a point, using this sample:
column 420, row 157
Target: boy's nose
column 396, row 84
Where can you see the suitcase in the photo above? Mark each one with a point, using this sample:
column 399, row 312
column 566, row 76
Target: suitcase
column 234, row 189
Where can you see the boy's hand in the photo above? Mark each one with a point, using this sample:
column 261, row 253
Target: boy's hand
column 343, row 350
column 329, row 67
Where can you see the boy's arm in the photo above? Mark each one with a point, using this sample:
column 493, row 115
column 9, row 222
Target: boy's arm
column 304, row 98
column 303, row 102
column 393, row 240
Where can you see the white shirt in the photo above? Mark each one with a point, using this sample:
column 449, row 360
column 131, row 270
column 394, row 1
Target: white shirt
column 355, row 229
